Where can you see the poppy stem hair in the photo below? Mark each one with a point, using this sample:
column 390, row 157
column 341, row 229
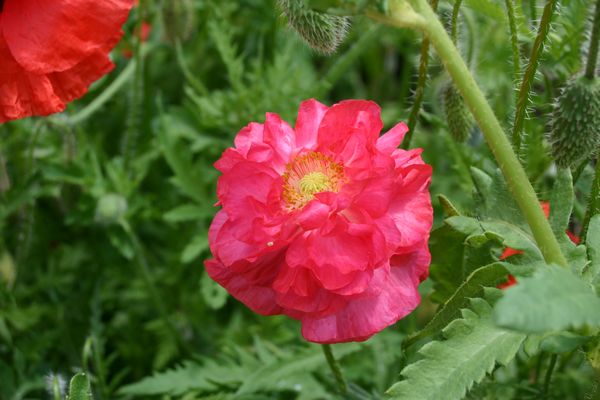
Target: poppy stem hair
column 423, row 17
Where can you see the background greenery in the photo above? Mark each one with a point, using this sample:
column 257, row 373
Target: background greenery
column 104, row 209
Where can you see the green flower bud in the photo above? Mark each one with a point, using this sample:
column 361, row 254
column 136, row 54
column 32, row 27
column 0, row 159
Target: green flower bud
column 575, row 133
column 322, row 32
column 110, row 208
column 178, row 19
column 458, row 116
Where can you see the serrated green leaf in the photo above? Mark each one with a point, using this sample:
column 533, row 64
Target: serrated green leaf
column 265, row 376
column 453, row 259
column 449, row 368
column 552, row 299
column 79, row 388
column 490, row 275
column 512, row 235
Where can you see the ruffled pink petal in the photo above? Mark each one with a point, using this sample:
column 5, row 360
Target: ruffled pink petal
column 310, row 115
column 245, row 181
column 348, row 120
column 392, row 295
column 282, row 138
column 53, row 36
column 413, row 225
column 253, row 286
column 390, row 141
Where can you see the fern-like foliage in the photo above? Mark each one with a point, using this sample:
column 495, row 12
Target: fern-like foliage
column 243, row 374
column 449, row 368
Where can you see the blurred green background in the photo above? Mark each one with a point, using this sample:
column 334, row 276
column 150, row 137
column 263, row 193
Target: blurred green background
column 104, row 209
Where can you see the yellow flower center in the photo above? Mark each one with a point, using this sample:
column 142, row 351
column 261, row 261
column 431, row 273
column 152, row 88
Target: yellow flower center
column 309, row 174
column 314, row 182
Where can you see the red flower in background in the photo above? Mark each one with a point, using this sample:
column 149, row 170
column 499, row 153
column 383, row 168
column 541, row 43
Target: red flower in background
column 327, row 223
column 51, row 51
column 508, row 252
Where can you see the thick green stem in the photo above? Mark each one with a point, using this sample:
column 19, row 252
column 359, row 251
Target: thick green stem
column 514, row 41
column 516, row 177
column 590, row 68
column 335, row 369
column 420, row 90
column 529, row 77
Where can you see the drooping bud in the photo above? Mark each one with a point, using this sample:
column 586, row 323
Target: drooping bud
column 322, row 32
column 458, row 116
column 575, row 133
column 178, row 19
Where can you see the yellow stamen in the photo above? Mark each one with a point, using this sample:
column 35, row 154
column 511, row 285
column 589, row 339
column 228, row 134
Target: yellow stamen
column 309, row 174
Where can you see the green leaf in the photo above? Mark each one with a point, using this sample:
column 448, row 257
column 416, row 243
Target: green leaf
column 592, row 241
column 552, row 299
column 561, row 202
column 512, row 235
column 269, row 374
column 562, row 342
column 490, row 275
column 212, row 293
column 198, row 244
column 454, row 258
column 495, row 202
column 79, row 388
column 188, row 212
column 450, row 367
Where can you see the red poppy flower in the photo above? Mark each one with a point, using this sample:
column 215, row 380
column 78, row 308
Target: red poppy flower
column 51, row 51
column 508, row 252
column 327, row 223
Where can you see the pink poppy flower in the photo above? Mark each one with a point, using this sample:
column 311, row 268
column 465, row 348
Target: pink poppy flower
column 327, row 223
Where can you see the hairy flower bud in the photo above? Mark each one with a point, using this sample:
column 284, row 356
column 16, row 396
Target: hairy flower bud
column 575, row 130
column 458, row 116
column 178, row 19
column 322, row 32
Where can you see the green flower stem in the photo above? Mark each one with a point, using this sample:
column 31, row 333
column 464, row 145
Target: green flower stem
column 593, row 203
column 590, row 68
column 335, row 368
column 529, row 77
column 426, row 19
column 514, row 40
column 454, row 21
column 420, row 90
column 109, row 92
